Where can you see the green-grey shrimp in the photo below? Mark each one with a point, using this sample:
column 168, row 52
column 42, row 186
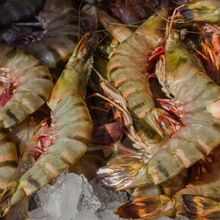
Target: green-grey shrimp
column 70, row 128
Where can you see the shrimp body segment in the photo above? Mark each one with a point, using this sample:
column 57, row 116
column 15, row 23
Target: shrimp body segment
column 59, row 19
column 31, row 84
column 127, row 66
column 57, row 37
column 193, row 91
column 8, row 162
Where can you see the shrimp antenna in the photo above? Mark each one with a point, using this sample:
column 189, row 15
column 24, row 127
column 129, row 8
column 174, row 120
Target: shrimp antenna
column 121, row 105
column 171, row 20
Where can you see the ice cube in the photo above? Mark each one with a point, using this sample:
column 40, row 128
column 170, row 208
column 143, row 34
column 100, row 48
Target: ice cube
column 109, row 199
column 108, row 215
column 88, row 199
column 59, row 201
column 74, row 198
column 39, row 214
column 86, row 215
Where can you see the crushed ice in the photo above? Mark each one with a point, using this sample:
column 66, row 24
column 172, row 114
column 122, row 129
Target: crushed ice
column 74, row 198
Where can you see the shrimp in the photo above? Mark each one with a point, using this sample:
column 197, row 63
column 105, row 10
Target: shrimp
column 70, row 129
column 8, row 161
column 113, row 26
column 22, row 133
column 213, row 108
column 16, row 10
column 192, row 91
column 132, row 12
column 54, row 44
column 199, row 198
column 26, row 85
column 210, row 52
column 202, row 10
column 60, row 23
column 127, row 67
column 118, row 31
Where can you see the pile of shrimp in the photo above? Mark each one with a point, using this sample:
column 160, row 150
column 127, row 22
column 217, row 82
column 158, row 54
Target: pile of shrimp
column 124, row 91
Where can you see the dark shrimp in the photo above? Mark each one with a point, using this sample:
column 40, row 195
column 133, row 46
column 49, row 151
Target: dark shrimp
column 15, row 10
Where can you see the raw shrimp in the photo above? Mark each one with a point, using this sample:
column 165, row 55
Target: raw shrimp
column 132, row 11
column 210, row 53
column 54, row 44
column 199, row 198
column 114, row 27
column 26, row 85
column 192, row 91
column 8, row 162
column 70, row 129
column 127, row 66
column 202, row 10
column 22, row 134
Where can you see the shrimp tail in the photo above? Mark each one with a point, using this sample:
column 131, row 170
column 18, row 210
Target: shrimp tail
column 4, row 198
column 147, row 207
column 201, row 207
column 124, row 171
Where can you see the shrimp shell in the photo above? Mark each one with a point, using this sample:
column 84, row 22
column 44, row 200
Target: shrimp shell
column 202, row 11
column 127, row 67
column 8, row 162
column 32, row 82
column 114, row 27
column 200, row 197
column 53, row 45
column 192, row 90
column 60, row 21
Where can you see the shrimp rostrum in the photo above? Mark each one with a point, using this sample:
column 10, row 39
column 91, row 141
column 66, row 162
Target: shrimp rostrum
column 70, row 128
column 192, row 91
column 26, row 85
